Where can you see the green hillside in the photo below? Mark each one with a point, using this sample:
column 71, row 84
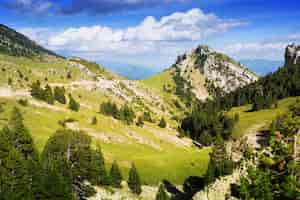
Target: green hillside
column 251, row 121
column 151, row 148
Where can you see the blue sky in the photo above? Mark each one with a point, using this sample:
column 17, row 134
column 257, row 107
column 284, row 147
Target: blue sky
column 153, row 32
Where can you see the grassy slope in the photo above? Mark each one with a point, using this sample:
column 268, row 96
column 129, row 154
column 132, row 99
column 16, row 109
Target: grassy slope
column 250, row 119
column 153, row 164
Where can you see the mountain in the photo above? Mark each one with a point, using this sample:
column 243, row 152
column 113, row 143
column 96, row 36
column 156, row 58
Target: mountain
column 16, row 44
column 68, row 108
column 30, row 83
column 202, row 71
column 132, row 72
column 261, row 66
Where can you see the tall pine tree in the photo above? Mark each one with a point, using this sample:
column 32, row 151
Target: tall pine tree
column 115, row 175
column 134, row 181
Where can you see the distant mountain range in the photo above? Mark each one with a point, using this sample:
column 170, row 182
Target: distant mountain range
column 261, row 66
column 135, row 72
column 132, row 72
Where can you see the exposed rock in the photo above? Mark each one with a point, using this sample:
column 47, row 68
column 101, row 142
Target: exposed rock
column 218, row 69
column 292, row 55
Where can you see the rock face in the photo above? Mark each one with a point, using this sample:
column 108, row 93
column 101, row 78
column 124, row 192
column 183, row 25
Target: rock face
column 216, row 69
column 292, row 55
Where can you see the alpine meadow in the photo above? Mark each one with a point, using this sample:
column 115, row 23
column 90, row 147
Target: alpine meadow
column 176, row 116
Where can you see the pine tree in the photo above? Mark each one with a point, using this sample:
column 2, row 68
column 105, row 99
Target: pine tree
column 134, row 182
column 19, row 136
column 55, row 182
column 48, row 95
column 161, row 193
column 98, row 173
column 162, row 123
column 59, row 95
column 36, row 90
column 73, row 105
column 115, row 175
column 16, row 178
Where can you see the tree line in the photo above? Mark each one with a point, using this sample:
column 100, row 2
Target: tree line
column 49, row 95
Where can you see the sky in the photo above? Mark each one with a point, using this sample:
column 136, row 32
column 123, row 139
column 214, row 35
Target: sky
column 153, row 33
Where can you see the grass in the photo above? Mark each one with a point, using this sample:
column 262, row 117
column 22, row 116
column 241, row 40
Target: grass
column 250, row 119
column 154, row 165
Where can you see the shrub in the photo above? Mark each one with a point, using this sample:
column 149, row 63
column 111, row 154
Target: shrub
column 162, row 123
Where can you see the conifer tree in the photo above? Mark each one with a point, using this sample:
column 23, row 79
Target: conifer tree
column 19, row 136
column 59, row 95
column 161, row 193
column 16, row 178
column 73, row 105
column 98, row 173
column 134, row 182
column 48, row 95
column 115, row 175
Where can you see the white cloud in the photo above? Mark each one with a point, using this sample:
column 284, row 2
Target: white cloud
column 193, row 25
column 270, row 50
column 165, row 37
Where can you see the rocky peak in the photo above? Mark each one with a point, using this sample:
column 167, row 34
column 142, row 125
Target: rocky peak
column 217, row 69
column 292, row 55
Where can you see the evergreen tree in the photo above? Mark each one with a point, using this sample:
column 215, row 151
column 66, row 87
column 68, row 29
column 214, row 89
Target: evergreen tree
column 73, row 105
column 36, row 90
column 134, row 182
column 162, row 123
column 161, row 193
column 16, row 178
column 48, row 95
column 115, row 175
column 55, row 181
column 127, row 115
column 98, row 173
column 59, row 95
column 19, row 136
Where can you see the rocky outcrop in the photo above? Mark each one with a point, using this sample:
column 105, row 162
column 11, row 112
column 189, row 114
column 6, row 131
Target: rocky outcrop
column 292, row 55
column 217, row 70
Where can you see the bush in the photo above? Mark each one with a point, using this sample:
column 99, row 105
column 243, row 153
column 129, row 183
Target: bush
column 162, row 123
column 23, row 102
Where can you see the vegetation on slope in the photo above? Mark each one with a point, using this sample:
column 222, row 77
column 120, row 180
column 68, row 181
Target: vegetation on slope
column 16, row 44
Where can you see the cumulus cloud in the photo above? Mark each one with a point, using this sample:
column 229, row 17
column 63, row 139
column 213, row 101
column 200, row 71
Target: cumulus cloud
column 29, row 6
column 192, row 25
column 273, row 49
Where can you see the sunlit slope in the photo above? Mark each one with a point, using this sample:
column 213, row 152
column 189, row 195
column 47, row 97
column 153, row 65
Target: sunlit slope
column 249, row 121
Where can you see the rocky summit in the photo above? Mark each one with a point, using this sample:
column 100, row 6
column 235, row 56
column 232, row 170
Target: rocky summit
column 218, row 70
column 292, row 55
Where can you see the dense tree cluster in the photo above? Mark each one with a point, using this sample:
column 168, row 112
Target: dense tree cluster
column 63, row 170
column 16, row 44
column 264, row 93
column 125, row 113
column 49, row 95
column 44, row 94
column 205, row 124
column 277, row 174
